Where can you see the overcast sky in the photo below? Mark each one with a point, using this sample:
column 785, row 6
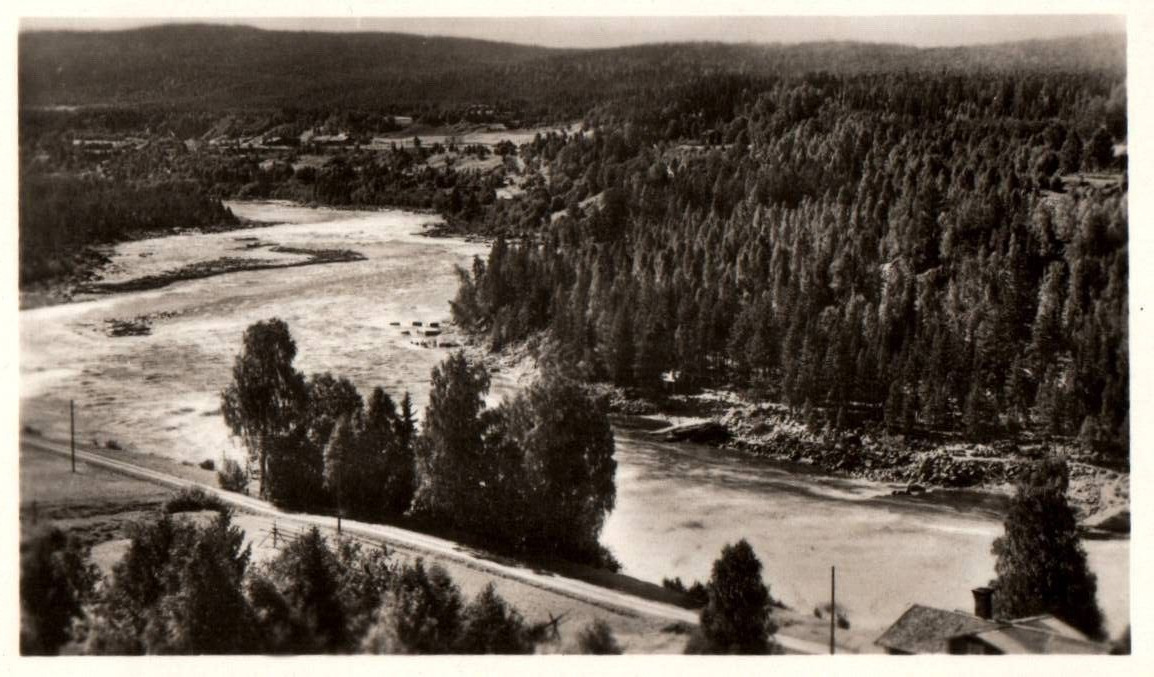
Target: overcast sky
column 925, row 31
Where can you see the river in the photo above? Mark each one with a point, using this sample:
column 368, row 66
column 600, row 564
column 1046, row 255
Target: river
column 677, row 504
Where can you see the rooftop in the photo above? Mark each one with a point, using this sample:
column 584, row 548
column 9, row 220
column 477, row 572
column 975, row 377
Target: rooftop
column 922, row 629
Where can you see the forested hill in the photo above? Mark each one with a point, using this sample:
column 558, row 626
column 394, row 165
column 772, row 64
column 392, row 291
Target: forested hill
column 935, row 251
column 233, row 67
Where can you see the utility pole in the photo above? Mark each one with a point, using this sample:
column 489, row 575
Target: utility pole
column 832, row 608
column 72, row 430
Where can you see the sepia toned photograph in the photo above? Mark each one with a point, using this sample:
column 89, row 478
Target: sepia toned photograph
column 554, row 335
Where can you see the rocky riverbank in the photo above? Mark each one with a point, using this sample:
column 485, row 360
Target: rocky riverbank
column 938, row 462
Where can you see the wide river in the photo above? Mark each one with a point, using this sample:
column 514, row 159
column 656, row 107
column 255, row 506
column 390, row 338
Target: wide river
column 677, row 505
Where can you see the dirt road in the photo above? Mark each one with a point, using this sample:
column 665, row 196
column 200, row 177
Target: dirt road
column 421, row 544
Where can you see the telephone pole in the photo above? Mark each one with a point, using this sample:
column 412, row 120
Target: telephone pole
column 72, row 430
column 832, row 608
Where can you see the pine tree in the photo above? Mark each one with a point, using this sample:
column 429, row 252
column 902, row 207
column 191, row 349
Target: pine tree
column 1041, row 565
column 308, row 578
column 736, row 618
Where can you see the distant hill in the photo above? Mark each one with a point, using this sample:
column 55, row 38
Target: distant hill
column 211, row 67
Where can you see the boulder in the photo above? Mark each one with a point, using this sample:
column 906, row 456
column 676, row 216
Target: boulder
column 704, row 432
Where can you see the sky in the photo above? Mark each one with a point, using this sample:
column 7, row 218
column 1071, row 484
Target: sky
column 593, row 32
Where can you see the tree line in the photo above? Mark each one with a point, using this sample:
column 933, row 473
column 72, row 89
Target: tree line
column 534, row 474
column 840, row 250
column 187, row 589
column 451, row 79
column 60, row 215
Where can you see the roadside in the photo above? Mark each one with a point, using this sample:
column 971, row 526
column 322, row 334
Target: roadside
column 641, row 625
column 98, row 506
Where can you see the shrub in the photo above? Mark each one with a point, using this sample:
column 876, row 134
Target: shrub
column 194, row 499
column 207, row 464
column 178, row 590
column 55, row 580
column 822, row 610
column 491, row 626
column 421, row 614
column 597, row 639
column 232, row 476
column 696, row 595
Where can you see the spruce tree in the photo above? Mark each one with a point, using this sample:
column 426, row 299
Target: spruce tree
column 1041, row 565
column 736, row 618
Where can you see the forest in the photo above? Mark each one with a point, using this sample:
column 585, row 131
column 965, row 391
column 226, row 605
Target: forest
column 438, row 79
column 60, row 215
column 924, row 251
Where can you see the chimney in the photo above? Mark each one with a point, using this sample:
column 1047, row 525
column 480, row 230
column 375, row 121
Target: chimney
column 984, row 602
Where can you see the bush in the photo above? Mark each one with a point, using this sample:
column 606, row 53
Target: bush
column 421, row 614
column 178, row 590
column 597, row 639
column 696, row 595
column 55, row 581
column 194, row 499
column 822, row 611
column 232, row 477
column 207, row 464
column 491, row 626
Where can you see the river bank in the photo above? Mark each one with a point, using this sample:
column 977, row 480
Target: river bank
column 915, row 465
column 924, row 467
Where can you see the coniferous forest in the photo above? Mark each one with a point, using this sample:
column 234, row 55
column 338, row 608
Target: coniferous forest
column 908, row 248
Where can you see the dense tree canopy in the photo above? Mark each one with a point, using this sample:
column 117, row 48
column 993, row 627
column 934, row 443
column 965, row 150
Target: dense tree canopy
column 902, row 248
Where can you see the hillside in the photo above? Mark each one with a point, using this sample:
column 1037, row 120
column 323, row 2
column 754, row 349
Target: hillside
column 233, row 67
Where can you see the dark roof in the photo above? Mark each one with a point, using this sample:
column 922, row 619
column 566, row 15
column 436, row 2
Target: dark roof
column 924, row 629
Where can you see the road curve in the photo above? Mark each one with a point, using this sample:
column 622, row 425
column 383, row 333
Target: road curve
column 420, row 543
